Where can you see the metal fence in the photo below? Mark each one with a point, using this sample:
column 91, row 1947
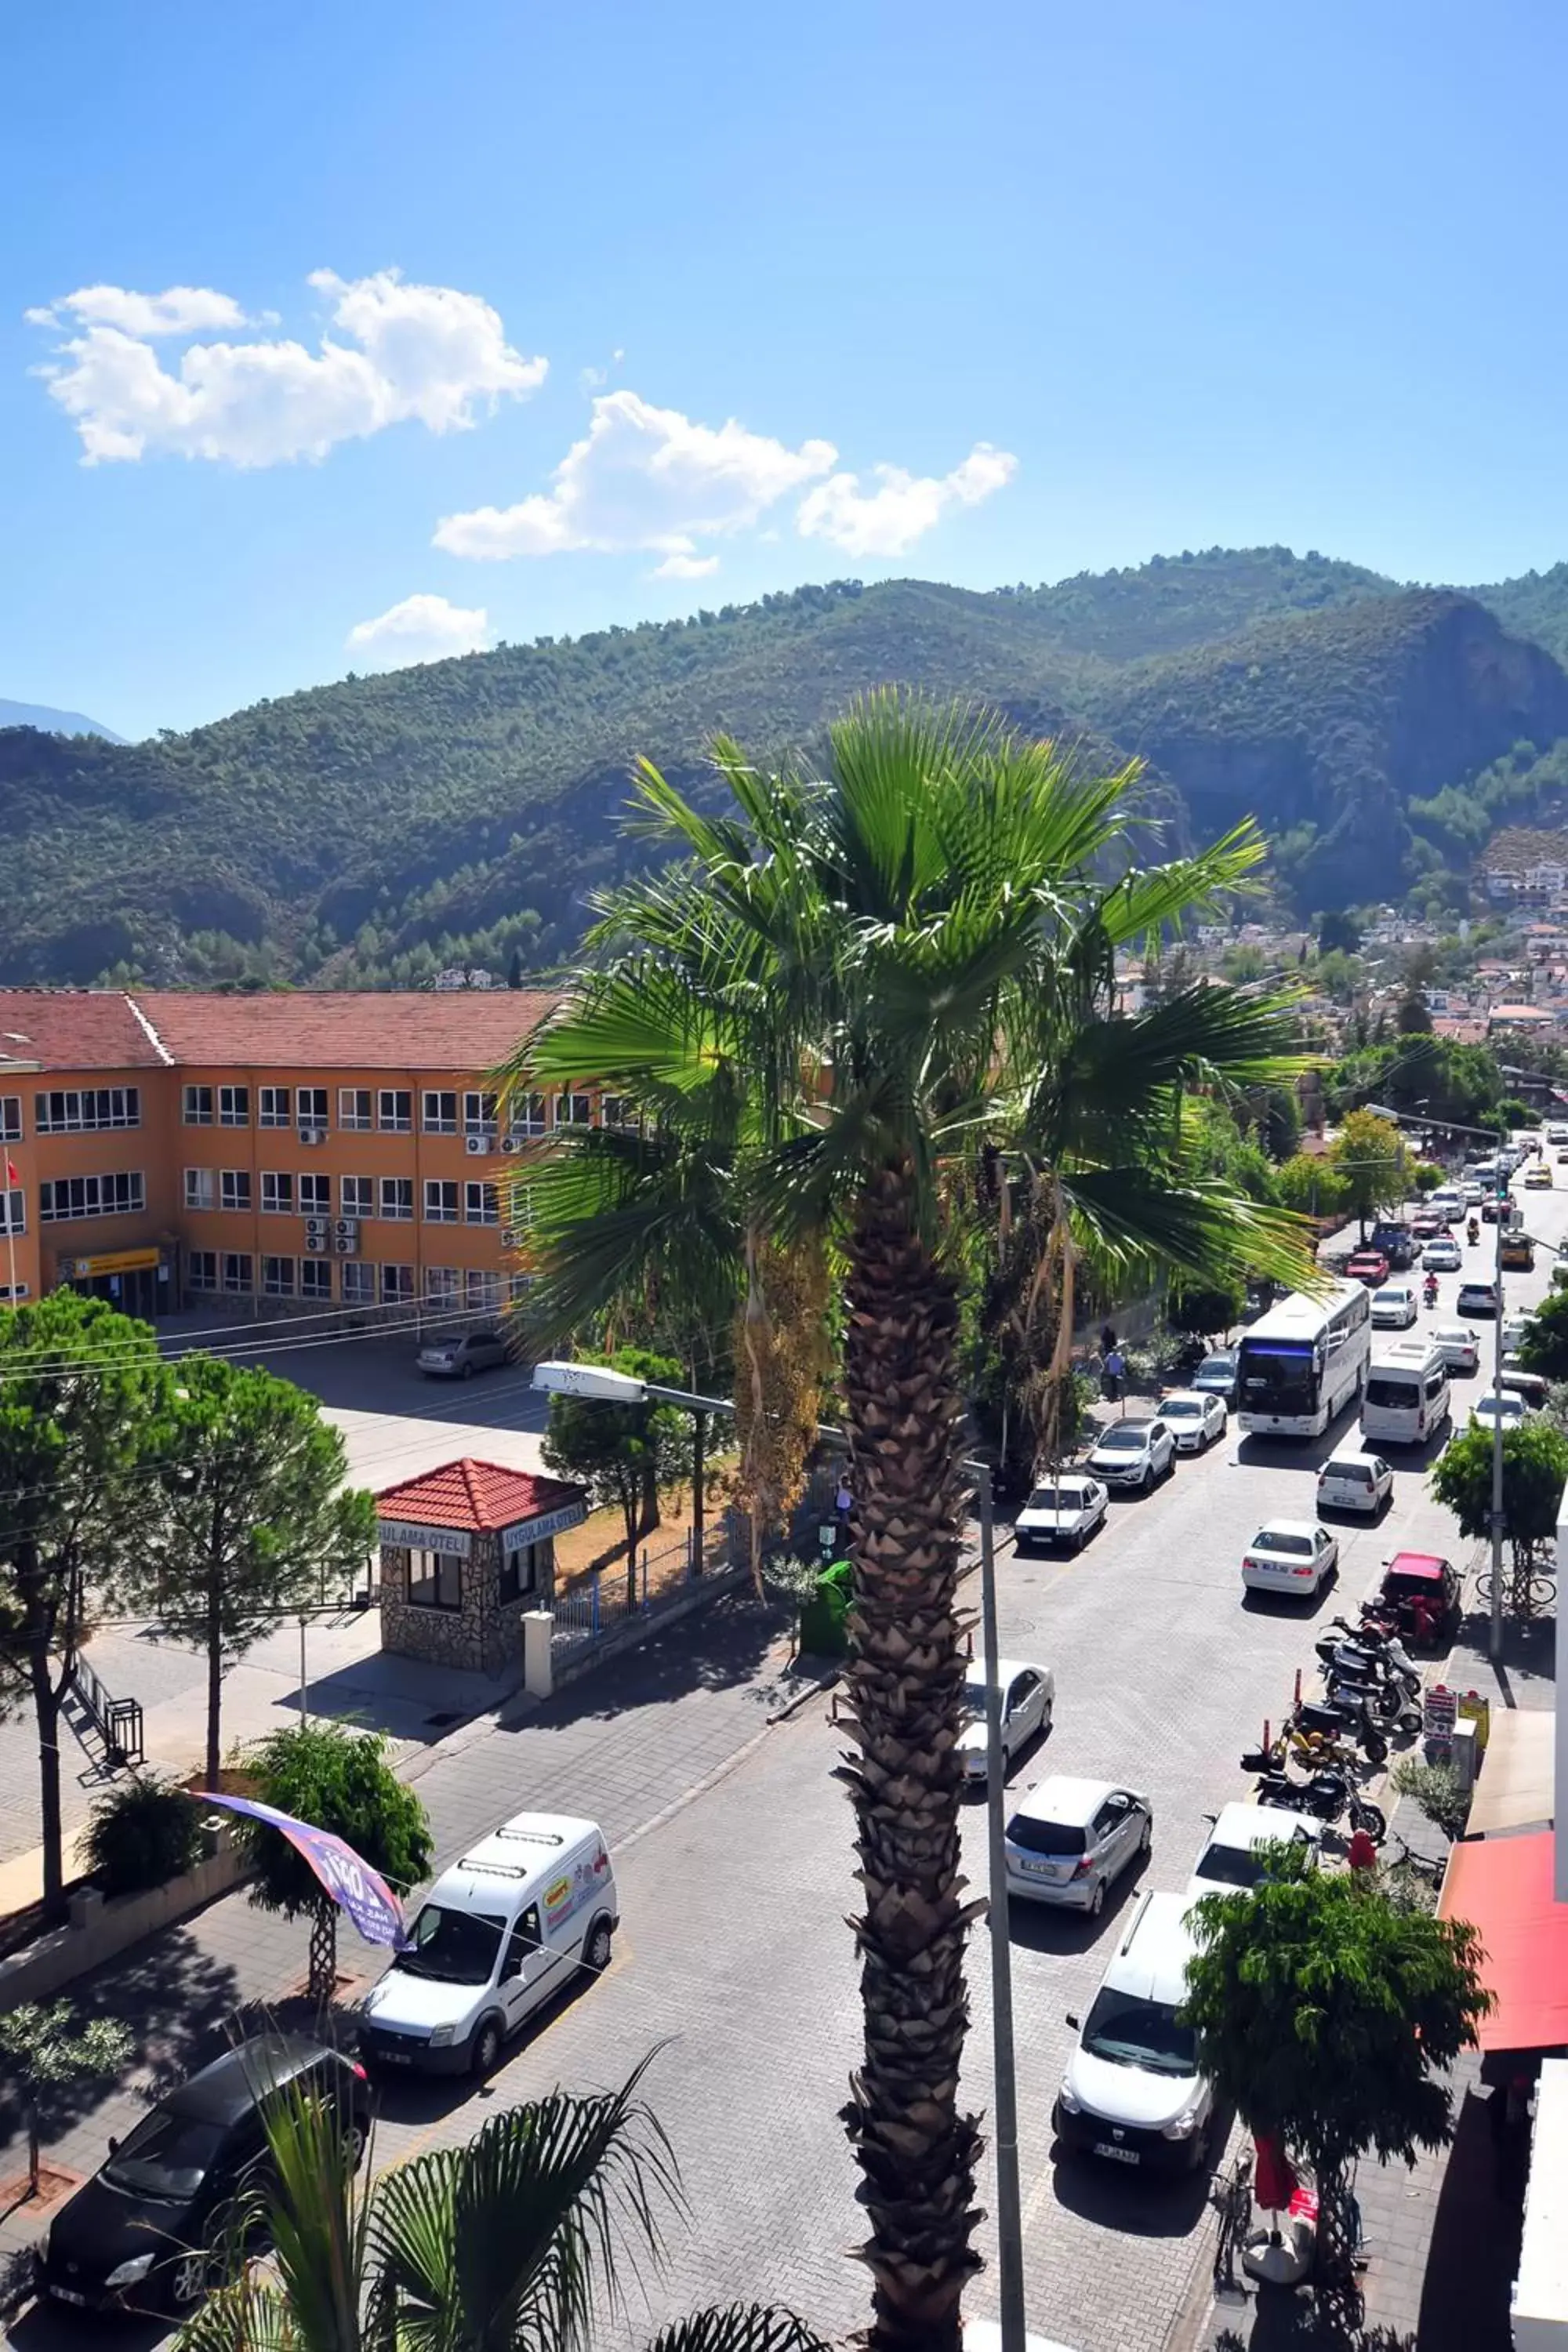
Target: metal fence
column 608, row 1599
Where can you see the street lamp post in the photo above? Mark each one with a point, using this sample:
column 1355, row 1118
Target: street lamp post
column 625, row 1388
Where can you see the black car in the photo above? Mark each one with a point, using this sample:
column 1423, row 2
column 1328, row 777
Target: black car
column 1216, row 1376
column 138, row 2235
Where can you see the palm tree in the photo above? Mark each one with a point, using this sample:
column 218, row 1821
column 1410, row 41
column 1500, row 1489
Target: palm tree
column 854, row 984
column 509, row 2244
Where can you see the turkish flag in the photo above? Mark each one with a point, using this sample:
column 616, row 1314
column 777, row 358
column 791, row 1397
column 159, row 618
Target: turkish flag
column 13, row 1173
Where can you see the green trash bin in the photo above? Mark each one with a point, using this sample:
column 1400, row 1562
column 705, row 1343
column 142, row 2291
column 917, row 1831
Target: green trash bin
column 821, row 1626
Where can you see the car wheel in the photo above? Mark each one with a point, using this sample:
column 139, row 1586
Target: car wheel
column 601, row 1939
column 187, row 2280
column 1097, row 1900
column 486, row 2048
column 467, row 1373
column 1146, row 1482
column 1146, row 1842
column 358, row 2140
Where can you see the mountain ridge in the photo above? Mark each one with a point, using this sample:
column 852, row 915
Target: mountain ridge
column 50, row 721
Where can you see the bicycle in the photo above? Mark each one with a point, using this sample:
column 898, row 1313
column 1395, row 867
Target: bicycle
column 1232, row 2200
column 1539, row 1591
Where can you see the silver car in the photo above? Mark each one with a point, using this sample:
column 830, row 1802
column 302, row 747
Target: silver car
column 1069, row 1840
column 1027, row 1695
column 460, row 1358
column 1133, row 1453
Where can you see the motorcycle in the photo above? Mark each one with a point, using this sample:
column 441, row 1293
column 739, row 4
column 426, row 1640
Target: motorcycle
column 1473, row 1232
column 1429, row 1293
column 1329, row 1795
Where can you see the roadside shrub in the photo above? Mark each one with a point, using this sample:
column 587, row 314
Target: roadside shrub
column 1434, row 1791
column 142, row 1835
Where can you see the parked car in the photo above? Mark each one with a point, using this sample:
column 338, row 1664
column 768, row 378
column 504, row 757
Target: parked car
column 1195, row 1417
column 1069, row 1840
column 1216, row 1376
column 1423, row 1581
column 1368, row 1266
column 1028, row 1694
column 1060, row 1510
column 142, row 2235
column 1513, row 1332
column 1133, row 1453
column 1514, row 1380
column 1442, row 1256
column 1236, row 1855
column 1351, row 1480
column 1457, row 1346
column 1289, row 1556
column 1131, row 2091
column 463, row 1355
column 1479, row 1299
column 1394, row 1309
column 1488, row 1410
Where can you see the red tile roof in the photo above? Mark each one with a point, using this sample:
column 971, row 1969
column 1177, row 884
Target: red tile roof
column 75, row 1029
column 325, row 1029
column 480, row 1495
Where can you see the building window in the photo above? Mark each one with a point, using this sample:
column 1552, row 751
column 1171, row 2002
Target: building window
column 438, row 1112
column 310, row 1103
column 615, row 1110
column 315, row 1277
column 10, row 1118
column 434, row 1579
column 518, row 1287
column 518, row 1210
column 78, row 1111
column 532, row 1116
column 483, row 1291
column 358, row 1283
column 273, row 1107
column 479, row 1113
column 395, row 1114
column 234, row 1188
column 440, row 1202
column 198, row 1107
column 200, row 1190
column 12, row 1210
column 90, row 1196
column 236, row 1271
column 201, row 1270
column 397, row 1285
column 396, row 1198
column 353, row 1108
column 480, row 1206
column 277, row 1194
column 315, row 1196
column 234, row 1105
column 277, row 1277
column 358, row 1195
column 441, row 1285
column 521, row 1570
column 573, row 1110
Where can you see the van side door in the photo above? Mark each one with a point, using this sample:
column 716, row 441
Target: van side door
column 528, row 1970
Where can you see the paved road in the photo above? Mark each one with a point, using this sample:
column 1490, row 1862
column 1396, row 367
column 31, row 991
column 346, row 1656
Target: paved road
column 734, row 1954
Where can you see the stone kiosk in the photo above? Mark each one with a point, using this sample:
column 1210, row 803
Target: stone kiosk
column 466, row 1552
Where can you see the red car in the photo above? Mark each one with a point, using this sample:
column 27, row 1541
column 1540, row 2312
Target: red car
column 1368, row 1266
column 1427, row 1224
column 1424, row 1591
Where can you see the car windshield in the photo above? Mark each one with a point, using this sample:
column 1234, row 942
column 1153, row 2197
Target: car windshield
column 975, row 1694
column 1129, row 2031
column 1281, row 1539
column 1048, row 1837
column 1056, row 1498
column 1181, row 1409
column 167, row 2156
column 1126, row 1437
column 454, row 1946
column 1216, row 1367
column 1232, row 1865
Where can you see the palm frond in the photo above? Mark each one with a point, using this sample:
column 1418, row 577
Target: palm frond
column 739, row 2327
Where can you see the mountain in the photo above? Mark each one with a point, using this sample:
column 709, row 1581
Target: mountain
column 53, row 723
column 1534, row 606
column 382, row 826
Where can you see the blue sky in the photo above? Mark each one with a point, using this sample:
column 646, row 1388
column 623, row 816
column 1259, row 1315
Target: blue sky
column 1096, row 283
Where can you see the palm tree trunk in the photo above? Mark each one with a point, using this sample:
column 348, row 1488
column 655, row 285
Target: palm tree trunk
column 917, row 2152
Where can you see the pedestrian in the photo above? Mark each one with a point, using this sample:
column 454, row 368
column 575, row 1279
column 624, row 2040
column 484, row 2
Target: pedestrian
column 1107, row 1339
column 1115, row 1371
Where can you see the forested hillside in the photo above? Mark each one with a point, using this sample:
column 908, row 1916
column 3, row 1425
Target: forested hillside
column 380, row 826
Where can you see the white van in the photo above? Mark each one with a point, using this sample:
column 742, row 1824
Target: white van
column 1407, row 1395
column 1132, row 2092
column 500, row 1934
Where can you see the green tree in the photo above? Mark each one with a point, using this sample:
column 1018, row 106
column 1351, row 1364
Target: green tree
column 1331, row 2017
column 515, row 2242
column 1199, row 1310
column 1514, row 1111
column 867, row 972
column 1544, row 1347
column 1534, row 1474
column 1244, row 964
column 1425, row 1178
column 1338, row 931
column 340, row 1780
column 81, row 1393
column 45, row 2049
column 623, row 1453
column 1369, row 1153
column 1309, row 1183
column 1338, row 976
column 1411, row 1017
column 255, row 1521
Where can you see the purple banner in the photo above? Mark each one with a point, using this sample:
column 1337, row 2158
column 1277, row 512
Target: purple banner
column 351, row 1882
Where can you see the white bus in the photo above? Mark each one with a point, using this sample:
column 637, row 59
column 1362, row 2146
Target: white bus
column 1303, row 1361
column 1406, row 1393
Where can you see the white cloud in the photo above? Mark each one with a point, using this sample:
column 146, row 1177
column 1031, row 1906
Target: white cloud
column 642, row 477
column 420, row 629
column 903, row 506
column 427, row 353
column 686, row 567
column 178, row 310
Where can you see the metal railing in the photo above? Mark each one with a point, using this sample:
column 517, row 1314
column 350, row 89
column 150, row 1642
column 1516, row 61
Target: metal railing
column 118, row 1721
column 608, row 1598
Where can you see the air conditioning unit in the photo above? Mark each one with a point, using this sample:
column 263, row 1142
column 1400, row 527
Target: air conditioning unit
column 312, row 1135
column 510, row 1237
column 476, row 1146
column 511, row 1143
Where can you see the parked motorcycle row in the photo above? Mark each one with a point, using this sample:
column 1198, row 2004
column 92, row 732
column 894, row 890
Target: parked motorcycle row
column 1371, row 1688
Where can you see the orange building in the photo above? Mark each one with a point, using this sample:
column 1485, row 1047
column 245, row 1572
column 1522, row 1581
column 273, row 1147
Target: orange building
column 306, row 1152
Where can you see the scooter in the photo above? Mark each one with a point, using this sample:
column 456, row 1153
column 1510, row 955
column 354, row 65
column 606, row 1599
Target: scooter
column 1329, row 1795
column 1429, row 1293
column 1473, row 1232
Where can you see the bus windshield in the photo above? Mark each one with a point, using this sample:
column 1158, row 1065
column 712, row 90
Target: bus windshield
column 1278, row 1378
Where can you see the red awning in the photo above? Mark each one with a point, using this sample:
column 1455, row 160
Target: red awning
column 1503, row 1887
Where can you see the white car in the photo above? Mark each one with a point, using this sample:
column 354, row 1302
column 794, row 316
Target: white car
column 1355, row 1481
column 1289, row 1556
column 1394, row 1308
column 1029, row 1694
column 1133, row 1453
column 1442, row 1256
column 1235, row 1856
column 1513, row 1332
column 1457, row 1346
column 1195, row 1417
column 1485, row 1410
column 1474, row 1195
column 1068, row 1839
column 1061, row 1510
